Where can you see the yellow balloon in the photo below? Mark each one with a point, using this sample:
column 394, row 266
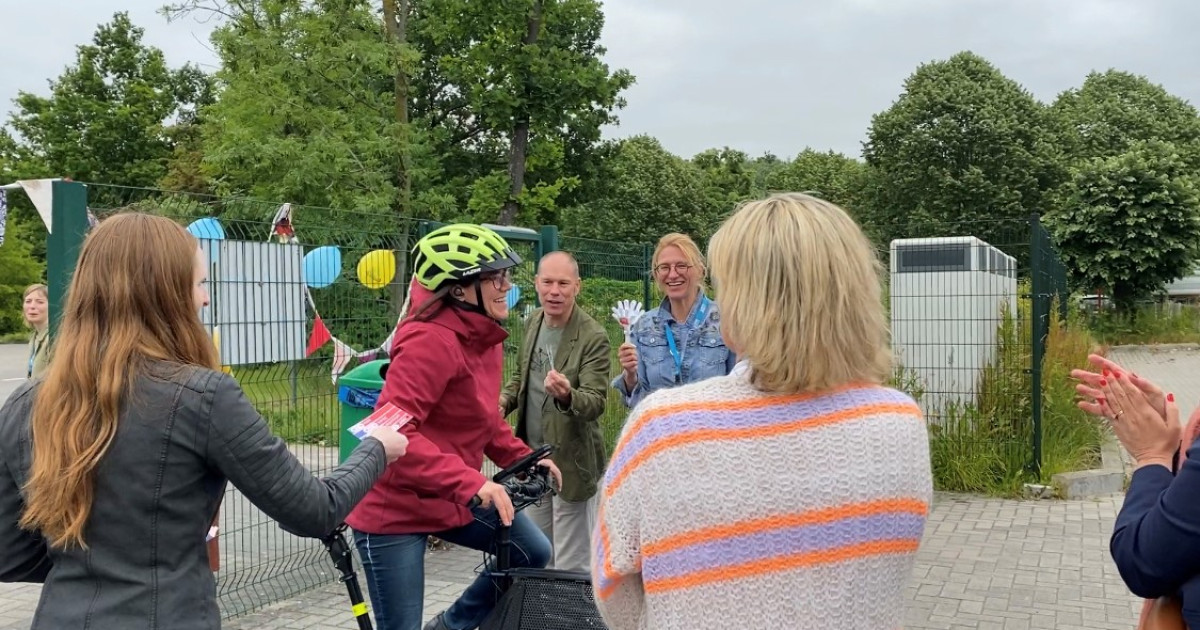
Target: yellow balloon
column 377, row 268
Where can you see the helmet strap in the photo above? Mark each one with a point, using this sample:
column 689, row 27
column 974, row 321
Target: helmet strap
column 478, row 307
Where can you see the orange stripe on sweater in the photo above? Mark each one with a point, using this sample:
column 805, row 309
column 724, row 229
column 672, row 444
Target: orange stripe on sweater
column 609, row 572
column 784, row 563
column 812, row 517
column 730, row 405
column 803, row 424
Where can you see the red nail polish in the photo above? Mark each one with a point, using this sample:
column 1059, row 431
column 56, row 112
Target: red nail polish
column 1104, row 371
column 1103, row 382
column 1170, row 397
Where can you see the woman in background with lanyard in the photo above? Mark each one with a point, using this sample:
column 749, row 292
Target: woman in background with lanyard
column 680, row 341
column 37, row 316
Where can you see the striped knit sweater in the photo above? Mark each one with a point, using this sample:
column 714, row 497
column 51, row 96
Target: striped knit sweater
column 724, row 507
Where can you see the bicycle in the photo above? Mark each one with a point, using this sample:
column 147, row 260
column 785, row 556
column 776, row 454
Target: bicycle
column 537, row 599
column 527, row 598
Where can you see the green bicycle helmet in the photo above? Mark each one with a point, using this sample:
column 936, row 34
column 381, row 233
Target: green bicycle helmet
column 459, row 252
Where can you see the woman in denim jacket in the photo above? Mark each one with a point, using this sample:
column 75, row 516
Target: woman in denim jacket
column 680, row 341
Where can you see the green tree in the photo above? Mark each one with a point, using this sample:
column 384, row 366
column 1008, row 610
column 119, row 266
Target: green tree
column 648, row 192
column 1113, row 110
column 962, row 144
column 1131, row 223
column 306, row 111
column 18, row 269
column 513, row 95
column 829, row 175
column 728, row 176
column 109, row 117
column 15, row 164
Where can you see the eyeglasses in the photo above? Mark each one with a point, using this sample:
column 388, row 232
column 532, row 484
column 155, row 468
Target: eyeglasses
column 500, row 280
column 665, row 268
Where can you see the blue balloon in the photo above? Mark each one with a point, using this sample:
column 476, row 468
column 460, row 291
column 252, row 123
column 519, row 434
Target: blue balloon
column 514, row 296
column 322, row 266
column 209, row 231
column 207, row 228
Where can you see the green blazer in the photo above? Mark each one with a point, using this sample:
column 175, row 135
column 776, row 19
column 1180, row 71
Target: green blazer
column 574, row 432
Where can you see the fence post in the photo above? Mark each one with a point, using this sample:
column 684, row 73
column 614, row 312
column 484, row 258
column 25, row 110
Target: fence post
column 646, row 271
column 549, row 240
column 68, row 224
column 1040, row 313
column 1062, row 290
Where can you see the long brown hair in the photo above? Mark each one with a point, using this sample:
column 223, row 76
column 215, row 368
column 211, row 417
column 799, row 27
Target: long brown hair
column 130, row 301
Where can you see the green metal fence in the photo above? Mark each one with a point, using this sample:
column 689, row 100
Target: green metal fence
column 263, row 314
column 975, row 372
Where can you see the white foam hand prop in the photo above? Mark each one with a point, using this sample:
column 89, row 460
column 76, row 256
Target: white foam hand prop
column 627, row 312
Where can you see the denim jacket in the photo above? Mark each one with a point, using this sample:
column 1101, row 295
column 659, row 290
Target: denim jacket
column 702, row 352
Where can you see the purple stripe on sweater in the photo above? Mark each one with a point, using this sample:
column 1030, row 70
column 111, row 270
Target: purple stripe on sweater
column 599, row 556
column 724, row 552
column 716, row 418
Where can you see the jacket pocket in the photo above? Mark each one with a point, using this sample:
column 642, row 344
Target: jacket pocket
column 711, row 348
column 576, row 455
column 655, row 354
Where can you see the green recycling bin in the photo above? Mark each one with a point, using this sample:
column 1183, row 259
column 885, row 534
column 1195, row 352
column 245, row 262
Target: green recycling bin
column 358, row 391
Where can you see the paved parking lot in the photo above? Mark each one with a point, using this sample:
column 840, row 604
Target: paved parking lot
column 984, row 564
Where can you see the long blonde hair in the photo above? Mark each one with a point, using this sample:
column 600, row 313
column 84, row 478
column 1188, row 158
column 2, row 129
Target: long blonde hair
column 130, row 301
column 798, row 287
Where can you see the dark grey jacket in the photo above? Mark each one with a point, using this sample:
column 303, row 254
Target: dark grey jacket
column 182, row 433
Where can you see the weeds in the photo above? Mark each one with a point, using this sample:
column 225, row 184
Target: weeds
column 1148, row 324
column 987, row 446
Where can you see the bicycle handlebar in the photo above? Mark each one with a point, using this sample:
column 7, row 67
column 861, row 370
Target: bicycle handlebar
column 525, row 465
column 535, row 485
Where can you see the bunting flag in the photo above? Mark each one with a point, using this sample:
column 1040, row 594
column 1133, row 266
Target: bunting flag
column 281, row 225
column 342, row 354
column 3, row 213
column 319, row 336
column 41, row 193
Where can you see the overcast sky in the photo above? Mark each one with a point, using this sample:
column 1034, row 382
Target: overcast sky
column 757, row 75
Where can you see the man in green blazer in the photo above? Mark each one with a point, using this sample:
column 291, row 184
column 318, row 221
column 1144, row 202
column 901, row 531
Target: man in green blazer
column 559, row 393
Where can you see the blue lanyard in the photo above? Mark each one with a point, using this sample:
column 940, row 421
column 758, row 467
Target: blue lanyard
column 694, row 322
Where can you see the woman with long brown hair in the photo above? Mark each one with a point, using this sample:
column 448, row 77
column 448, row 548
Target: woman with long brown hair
column 113, row 464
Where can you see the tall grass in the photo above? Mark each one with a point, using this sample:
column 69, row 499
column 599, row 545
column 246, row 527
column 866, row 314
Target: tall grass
column 986, row 446
column 1147, row 324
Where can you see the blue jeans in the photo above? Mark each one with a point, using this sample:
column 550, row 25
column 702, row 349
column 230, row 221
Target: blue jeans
column 394, row 565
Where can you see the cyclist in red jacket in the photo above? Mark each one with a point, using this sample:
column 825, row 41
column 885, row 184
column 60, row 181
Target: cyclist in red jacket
column 447, row 361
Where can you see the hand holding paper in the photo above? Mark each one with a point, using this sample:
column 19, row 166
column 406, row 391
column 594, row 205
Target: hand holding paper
column 384, row 425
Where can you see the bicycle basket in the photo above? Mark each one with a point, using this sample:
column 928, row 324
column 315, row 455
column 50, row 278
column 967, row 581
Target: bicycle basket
column 546, row 600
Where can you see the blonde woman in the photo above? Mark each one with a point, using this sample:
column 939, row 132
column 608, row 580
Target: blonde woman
column 36, row 309
column 113, row 464
column 679, row 341
column 792, row 493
